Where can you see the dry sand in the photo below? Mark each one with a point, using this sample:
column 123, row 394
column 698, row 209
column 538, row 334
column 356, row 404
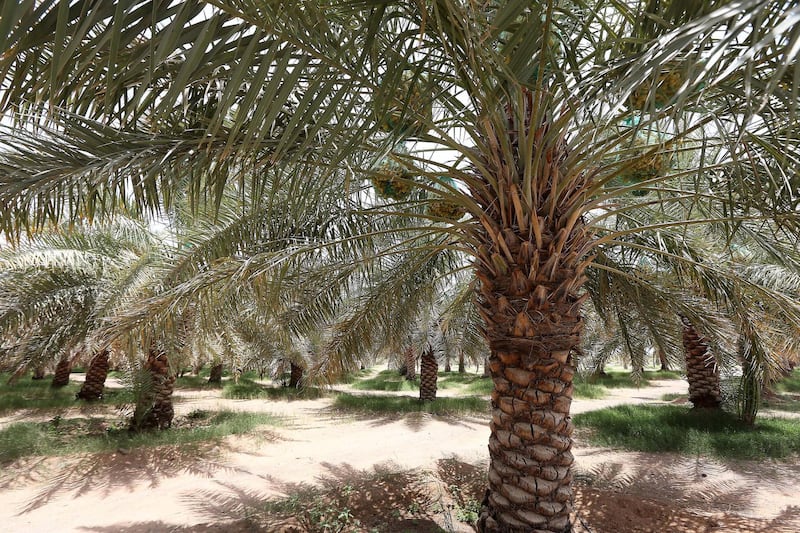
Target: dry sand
column 167, row 489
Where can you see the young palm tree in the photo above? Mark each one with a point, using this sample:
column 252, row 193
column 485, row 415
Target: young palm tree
column 154, row 102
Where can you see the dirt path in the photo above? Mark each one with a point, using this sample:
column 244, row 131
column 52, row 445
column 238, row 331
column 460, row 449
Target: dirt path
column 164, row 490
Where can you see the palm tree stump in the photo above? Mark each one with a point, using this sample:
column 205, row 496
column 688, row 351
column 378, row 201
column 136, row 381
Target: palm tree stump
column 61, row 376
column 295, row 375
column 215, row 375
column 38, row 373
column 428, row 375
column 155, row 411
column 94, row 385
column 702, row 372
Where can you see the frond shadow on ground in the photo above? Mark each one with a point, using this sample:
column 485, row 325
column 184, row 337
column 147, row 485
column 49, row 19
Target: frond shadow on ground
column 659, row 493
column 383, row 498
column 127, row 469
column 670, row 493
column 666, row 492
column 240, row 526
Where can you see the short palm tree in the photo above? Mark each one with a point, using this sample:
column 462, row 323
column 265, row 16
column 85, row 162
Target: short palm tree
column 530, row 110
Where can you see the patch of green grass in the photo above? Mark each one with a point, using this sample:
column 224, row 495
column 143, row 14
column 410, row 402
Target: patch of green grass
column 248, row 389
column 665, row 374
column 253, row 375
column 27, row 393
column 784, row 402
column 404, row 404
column 352, row 377
column 64, row 436
column 613, row 380
column 365, row 501
column 672, row 396
column 469, row 383
column 387, row 380
column 678, row 429
column 588, row 391
column 790, row 383
column 189, row 381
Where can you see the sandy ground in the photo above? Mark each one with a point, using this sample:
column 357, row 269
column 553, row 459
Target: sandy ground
column 141, row 491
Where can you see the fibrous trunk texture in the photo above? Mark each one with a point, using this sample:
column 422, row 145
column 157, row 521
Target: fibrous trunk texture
column 702, row 372
column 461, row 367
column 295, row 375
column 215, row 375
column 662, row 358
column 155, row 411
column 428, row 375
column 410, row 359
column 530, row 267
column 38, row 373
column 92, row 388
column 63, row 368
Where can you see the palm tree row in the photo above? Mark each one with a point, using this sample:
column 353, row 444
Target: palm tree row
column 525, row 116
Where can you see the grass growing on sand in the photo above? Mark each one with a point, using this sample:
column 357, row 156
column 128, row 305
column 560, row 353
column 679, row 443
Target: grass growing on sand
column 387, row 380
column 61, row 436
column 405, row 404
column 247, row 389
column 26, row 393
column 677, row 429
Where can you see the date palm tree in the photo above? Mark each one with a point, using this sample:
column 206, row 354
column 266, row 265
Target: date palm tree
column 530, row 111
column 96, row 374
column 57, row 288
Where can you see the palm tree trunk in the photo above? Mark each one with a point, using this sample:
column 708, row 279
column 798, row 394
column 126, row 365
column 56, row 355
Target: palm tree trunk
column 410, row 359
column 295, row 375
column 428, row 375
column 447, row 367
column 461, row 366
column 702, row 372
column 530, row 264
column 92, row 388
column 156, row 411
column 61, row 376
column 215, row 375
column 38, row 373
column 662, row 358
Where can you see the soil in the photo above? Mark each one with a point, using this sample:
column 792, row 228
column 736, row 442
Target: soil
column 405, row 473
